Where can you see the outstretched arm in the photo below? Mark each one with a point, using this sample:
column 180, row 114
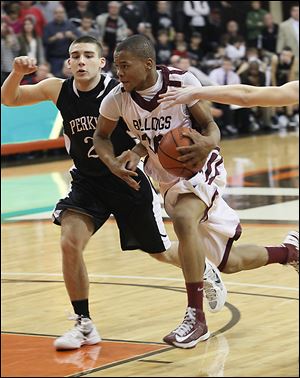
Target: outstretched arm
column 14, row 94
column 238, row 94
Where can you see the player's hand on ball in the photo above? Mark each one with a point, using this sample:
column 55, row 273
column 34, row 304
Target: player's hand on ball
column 124, row 167
column 195, row 155
column 24, row 65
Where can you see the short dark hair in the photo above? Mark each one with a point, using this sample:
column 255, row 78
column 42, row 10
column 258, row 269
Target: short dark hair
column 88, row 39
column 139, row 46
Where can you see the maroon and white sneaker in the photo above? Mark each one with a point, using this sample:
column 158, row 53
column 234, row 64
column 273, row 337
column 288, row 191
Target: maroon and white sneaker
column 192, row 330
column 291, row 241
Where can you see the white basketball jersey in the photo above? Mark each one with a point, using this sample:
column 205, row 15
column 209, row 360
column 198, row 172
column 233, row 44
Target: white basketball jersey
column 148, row 120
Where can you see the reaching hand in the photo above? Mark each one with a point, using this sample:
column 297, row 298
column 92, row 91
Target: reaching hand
column 124, row 167
column 24, row 65
column 183, row 95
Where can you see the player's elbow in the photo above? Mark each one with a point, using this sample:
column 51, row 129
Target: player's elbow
column 6, row 99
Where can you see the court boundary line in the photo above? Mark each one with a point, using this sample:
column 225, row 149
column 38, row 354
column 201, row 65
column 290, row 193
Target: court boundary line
column 150, row 278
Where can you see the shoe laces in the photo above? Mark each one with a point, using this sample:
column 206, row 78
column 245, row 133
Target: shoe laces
column 79, row 329
column 188, row 322
column 209, row 290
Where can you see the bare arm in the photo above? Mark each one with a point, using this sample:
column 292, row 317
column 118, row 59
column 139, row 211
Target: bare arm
column 239, row 94
column 14, row 94
column 104, row 148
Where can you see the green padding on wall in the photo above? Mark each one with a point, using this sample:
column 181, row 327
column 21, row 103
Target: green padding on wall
column 27, row 123
column 26, row 193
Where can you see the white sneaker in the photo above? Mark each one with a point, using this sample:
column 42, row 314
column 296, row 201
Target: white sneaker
column 83, row 333
column 214, row 289
column 291, row 241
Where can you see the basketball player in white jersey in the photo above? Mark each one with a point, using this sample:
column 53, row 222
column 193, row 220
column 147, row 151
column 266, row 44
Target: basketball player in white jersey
column 95, row 192
column 238, row 94
column 205, row 225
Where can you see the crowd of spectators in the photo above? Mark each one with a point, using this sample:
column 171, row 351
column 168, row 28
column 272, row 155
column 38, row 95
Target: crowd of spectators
column 220, row 42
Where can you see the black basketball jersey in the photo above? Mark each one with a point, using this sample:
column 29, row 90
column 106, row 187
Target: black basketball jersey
column 80, row 111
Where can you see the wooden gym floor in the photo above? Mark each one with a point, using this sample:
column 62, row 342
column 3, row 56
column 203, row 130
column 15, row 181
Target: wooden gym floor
column 135, row 300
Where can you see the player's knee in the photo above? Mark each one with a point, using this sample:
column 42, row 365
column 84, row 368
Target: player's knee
column 70, row 245
column 184, row 223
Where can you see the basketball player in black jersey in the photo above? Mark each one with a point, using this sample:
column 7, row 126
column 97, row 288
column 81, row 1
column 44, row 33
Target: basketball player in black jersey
column 96, row 192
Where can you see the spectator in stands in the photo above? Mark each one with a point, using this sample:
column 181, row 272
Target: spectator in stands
column 145, row 28
column 12, row 17
column 174, row 61
column 185, row 65
column 75, row 15
column 214, row 29
column 232, row 31
column 222, row 76
column 288, row 35
column 30, row 43
column 283, row 69
column 43, row 72
column 269, row 33
column 9, row 49
column 213, row 59
column 111, row 25
column 87, row 26
column 162, row 19
column 195, row 49
column 180, row 49
column 233, row 11
column 163, row 48
column 236, row 50
column 252, row 54
column 132, row 15
column 97, row 7
column 57, row 37
column 179, row 37
column 109, row 67
column 250, row 118
column 27, row 8
column 66, row 71
column 254, row 23
column 198, row 12
column 47, row 8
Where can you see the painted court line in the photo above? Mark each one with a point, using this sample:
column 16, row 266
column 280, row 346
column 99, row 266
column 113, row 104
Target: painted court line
column 26, row 274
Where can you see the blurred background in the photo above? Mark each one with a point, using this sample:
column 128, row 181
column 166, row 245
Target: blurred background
column 220, row 42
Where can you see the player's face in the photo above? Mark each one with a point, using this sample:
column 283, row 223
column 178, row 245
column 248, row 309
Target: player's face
column 85, row 62
column 133, row 72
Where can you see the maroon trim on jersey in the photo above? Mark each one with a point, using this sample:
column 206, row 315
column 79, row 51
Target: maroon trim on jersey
column 238, row 232
column 205, row 215
column 173, row 83
column 153, row 104
column 175, row 71
column 216, row 171
column 208, row 171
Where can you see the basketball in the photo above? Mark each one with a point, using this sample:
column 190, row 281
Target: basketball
column 168, row 155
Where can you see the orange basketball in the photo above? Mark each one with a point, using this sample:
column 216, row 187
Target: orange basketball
column 168, row 155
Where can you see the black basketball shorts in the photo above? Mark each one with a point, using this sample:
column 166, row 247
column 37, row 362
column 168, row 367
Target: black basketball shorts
column 137, row 213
